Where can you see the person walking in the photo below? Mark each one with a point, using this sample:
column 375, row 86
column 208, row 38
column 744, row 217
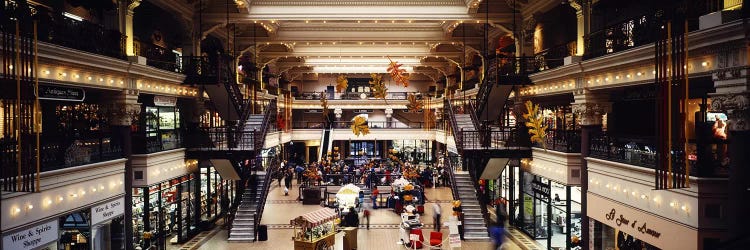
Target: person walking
column 375, row 194
column 436, row 212
column 497, row 233
column 366, row 214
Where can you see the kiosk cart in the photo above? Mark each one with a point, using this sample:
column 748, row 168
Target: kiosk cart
column 315, row 230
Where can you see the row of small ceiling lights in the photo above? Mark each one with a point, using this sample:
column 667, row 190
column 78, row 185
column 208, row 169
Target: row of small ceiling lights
column 49, row 201
column 633, row 193
column 552, row 87
column 110, row 81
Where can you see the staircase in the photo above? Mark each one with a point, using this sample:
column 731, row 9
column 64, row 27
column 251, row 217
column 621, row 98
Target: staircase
column 474, row 224
column 243, row 226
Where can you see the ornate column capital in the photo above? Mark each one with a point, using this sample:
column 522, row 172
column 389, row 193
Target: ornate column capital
column 132, row 4
column 124, row 108
column 736, row 106
column 576, row 4
column 591, row 107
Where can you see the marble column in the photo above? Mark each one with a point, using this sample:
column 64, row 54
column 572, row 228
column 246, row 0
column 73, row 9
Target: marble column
column 583, row 20
column 590, row 107
column 126, row 13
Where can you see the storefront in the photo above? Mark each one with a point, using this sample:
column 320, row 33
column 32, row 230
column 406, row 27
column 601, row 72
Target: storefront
column 164, row 213
column 95, row 227
column 216, row 194
column 159, row 126
column 504, row 191
column 550, row 212
column 623, row 227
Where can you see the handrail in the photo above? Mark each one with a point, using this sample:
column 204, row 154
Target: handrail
column 270, row 171
column 482, row 202
column 454, row 127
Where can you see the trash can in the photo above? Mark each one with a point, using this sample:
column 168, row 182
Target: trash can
column 262, row 233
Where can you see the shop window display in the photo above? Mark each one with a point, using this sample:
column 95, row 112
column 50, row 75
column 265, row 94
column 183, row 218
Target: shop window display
column 214, row 191
column 161, row 125
column 162, row 213
column 75, row 231
column 551, row 212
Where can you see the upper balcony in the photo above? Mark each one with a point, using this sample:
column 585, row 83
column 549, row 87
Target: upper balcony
column 56, row 28
column 641, row 152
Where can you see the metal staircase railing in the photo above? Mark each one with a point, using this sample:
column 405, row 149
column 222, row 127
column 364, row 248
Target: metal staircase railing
column 475, row 181
column 454, row 127
column 271, row 170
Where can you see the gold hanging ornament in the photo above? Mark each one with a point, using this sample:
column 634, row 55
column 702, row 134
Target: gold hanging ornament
column 397, row 73
column 359, row 126
column 414, row 104
column 377, row 87
column 535, row 124
column 324, row 104
column 341, row 83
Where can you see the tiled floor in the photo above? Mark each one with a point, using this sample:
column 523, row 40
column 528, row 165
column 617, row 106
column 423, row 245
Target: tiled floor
column 383, row 234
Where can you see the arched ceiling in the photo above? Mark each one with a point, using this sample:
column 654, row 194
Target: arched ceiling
column 356, row 35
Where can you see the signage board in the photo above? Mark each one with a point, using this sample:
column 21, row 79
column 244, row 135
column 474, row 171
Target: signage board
column 61, row 93
column 107, row 211
column 540, row 188
column 32, row 237
column 167, row 101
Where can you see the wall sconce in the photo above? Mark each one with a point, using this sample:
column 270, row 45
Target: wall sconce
column 388, row 112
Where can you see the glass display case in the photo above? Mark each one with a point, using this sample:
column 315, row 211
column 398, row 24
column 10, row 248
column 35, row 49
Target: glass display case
column 161, row 126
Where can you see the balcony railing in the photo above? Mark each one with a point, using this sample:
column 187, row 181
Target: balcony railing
column 371, row 124
column 158, row 56
column 64, row 152
column 638, row 152
column 156, row 141
column 566, row 141
column 353, row 96
column 55, row 28
column 221, row 138
column 633, row 32
column 552, row 57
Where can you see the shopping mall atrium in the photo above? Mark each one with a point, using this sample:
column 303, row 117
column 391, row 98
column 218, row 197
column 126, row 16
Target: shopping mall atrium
column 374, row 124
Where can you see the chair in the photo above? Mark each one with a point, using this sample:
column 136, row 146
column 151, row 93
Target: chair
column 417, row 231
column 436, row 240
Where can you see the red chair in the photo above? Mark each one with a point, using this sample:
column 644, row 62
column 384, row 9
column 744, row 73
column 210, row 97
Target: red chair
column 421, row 238
column 436, row 239
column 420, row 209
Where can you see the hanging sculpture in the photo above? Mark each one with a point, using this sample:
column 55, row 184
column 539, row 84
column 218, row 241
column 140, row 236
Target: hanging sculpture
column 397, row 73
column 359, row 126
column 377, row 87
column 414, row 104
column 534, row 122
column 341, row 83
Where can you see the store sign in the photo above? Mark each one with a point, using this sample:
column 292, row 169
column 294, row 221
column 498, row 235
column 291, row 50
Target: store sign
column 623, row 221
column 540, row 187
column 33, row 237
column 59, row 93
column 107, row 211
column 168, row 101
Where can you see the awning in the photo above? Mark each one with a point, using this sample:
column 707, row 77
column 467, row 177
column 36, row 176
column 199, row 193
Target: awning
column 315, row 218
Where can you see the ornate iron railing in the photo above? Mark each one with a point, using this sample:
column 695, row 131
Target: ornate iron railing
column 566, row 141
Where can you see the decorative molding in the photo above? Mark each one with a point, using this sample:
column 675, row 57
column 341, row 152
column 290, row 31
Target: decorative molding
column 132, row 4
column 736, row 106
column 590, row 113
column 358, row 3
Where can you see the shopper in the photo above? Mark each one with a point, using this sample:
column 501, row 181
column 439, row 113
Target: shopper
column 497, row 233
column 366, row 214
column 375, row 194
column 436, row 212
